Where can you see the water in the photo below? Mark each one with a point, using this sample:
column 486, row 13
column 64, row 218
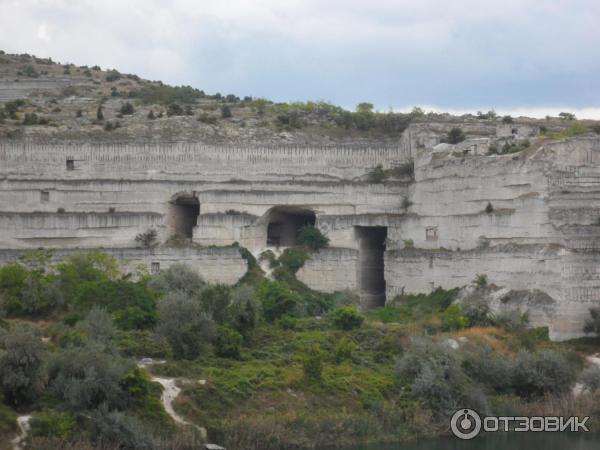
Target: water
column 503, row 441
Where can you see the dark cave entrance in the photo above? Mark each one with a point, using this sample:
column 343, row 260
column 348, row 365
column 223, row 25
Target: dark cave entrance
column 284, row 224
column 371, row 266
column 184, row 215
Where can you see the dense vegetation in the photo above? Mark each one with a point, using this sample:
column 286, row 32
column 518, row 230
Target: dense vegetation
column 284, row 366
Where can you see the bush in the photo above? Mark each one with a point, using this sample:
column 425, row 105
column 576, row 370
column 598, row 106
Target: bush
column 113, row 75
column 225, row 112
column 277, row 300
column 147, row 239
column 592, row 324
column 452, row 319
column 184, row 325
column 178, row 277
column 312, row 238
column 548, row 371
column 344, row 349
column 489, row 368
column 292, row 259
column 174, row 109
column 127, row 109
column 590, row 378
column 22, row 373
column 435, row 375
column 347, row 317
column 377, row 174
column 489, row 208
column 476, row 311
column 481, row 280
column 83, row 378
column 243, row 311
column 49, row 423
column 287, row 323
column 454, row 136
column 228, row 342
column 133, row 305
column 28, row 293
column 312, row 363
column 99, row 113
column 214, row 301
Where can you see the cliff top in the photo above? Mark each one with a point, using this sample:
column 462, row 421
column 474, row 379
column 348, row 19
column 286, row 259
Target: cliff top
column 44, row 101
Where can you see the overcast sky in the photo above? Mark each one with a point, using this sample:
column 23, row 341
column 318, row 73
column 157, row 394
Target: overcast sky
column 537, row 57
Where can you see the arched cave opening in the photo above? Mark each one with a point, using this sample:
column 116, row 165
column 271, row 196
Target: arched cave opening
column 184, row 215
column 371, row 266
column 284, row 224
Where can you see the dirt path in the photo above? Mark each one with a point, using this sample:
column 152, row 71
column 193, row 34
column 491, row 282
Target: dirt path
column 23, row 423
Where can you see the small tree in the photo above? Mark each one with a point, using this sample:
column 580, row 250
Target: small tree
column 377, row 174
column 277, row 300
column 312, row 363
column 507, row 119
column 22, row 374
column 147, row 239
column 347, row 317
column 489, row 208
column 127, row 109
column 312, row 238
column 455, row 135
column 592, row 325
column 228, row 342
column 226, row 112
column 184, row 325
column 99, row 113
column 566, row 116
column 151, row 115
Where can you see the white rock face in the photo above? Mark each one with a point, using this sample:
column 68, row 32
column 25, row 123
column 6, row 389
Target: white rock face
column 529, row 221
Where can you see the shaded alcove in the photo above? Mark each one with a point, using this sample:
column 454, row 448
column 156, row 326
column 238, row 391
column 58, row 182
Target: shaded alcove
column 371, row 268
column 184, row 210
column 284, row 224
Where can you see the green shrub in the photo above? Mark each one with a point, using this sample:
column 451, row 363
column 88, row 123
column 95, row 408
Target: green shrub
column 174, row 109
column 347, row 317
column 164, row 95
column 592, row 324
column 113, row 75
column 228, row 342
column 178, row 277
column 312, row 363
column 243, row 310
column 82, row 378
column 547, row 371
column 312, row 238
column 22, row 372
column 377, row 174
column 49, row 423
column 287, row 322
column 481, row 280
column 452, row 319
column 590, row 378
column 292, row 259
column 344, row 349
column 133, row 305
column 476, row 311
column 215, row 300
column 147, row 239
column 454, row 136
column 127, row 109
column 184, row 325
column 226, row 112
column 277, row 300
column 435, row 376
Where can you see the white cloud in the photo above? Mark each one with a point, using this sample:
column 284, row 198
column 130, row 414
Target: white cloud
column 345, row 50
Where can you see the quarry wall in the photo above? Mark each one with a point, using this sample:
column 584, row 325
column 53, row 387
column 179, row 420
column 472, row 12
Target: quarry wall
column 530, row 221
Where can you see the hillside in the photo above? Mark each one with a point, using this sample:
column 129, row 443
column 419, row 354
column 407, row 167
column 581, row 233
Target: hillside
column 45, row 101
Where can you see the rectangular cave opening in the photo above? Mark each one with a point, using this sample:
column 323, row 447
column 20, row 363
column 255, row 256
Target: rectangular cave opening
column 371, row 265
column 184, row 215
